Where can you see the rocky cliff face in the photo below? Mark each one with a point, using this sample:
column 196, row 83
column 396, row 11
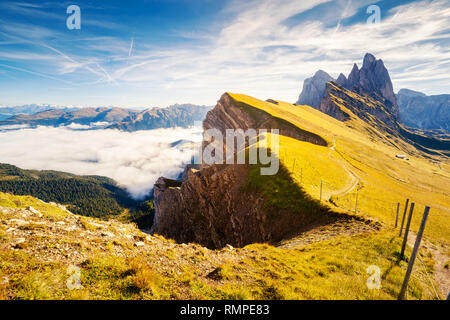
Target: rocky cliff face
column 365, row 107
column 314, row 89
column 229, row 114
column 210, row 208
column 214, row 206
column 338, row 101
column 424, row 112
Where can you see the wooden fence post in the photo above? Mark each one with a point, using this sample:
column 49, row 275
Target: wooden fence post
column 403, row 219
column 401, row 296
column 396, row 217
column 408, row 224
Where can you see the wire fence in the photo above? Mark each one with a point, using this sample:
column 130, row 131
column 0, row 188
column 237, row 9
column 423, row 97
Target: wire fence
column 354, row 199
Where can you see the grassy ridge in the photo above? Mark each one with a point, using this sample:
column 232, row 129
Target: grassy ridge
column 362, row 152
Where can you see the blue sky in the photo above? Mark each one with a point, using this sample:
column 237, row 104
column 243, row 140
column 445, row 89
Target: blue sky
column 154, row 53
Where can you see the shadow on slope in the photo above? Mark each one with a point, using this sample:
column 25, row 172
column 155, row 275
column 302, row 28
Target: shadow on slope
column 290, row 210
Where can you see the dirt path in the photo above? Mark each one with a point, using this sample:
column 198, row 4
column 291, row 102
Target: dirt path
column 355, row 179
column 332, row 230
column 352, row 185
column 441, row 258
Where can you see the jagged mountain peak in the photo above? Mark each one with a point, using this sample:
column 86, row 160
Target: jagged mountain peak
column 368, row 59
column 372, row 79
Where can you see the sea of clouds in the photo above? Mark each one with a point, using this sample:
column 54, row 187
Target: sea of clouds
column 134, row 159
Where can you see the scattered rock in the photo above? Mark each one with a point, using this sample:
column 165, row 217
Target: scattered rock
column 107, row 234
column 150, row 239
column 18, row 222
column 139, row 244
column 35, row 211
column 20, row 244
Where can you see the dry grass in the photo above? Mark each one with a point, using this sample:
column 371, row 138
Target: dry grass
column 358, row 151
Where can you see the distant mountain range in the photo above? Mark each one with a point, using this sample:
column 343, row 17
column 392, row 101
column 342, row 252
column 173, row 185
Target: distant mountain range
column 418, row 110
column 8, row 112
column 179, row 115
column 115, row 118
column 411, row 108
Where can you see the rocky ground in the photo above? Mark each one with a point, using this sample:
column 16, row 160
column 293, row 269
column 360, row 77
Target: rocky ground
column 40, row 242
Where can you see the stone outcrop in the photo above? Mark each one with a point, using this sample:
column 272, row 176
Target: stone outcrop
column 210, row 208
column 229, row 114
column 314, row 89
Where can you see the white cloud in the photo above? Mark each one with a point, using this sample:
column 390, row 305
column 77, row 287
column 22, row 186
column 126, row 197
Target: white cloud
column 258, row 54
column 253, row 50
column 135, row 160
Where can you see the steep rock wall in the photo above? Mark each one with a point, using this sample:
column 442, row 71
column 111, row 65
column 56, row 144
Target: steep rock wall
column 214, row 206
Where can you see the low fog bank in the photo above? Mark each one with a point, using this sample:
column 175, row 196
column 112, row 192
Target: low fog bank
column 134, row 159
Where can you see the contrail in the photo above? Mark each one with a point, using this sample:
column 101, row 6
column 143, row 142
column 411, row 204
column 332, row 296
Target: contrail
column 33, row 72
column 131, row 47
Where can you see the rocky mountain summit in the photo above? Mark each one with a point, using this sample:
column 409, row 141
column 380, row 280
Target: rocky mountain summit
column 314, row 89
column 411, row 108
column 372, row 80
